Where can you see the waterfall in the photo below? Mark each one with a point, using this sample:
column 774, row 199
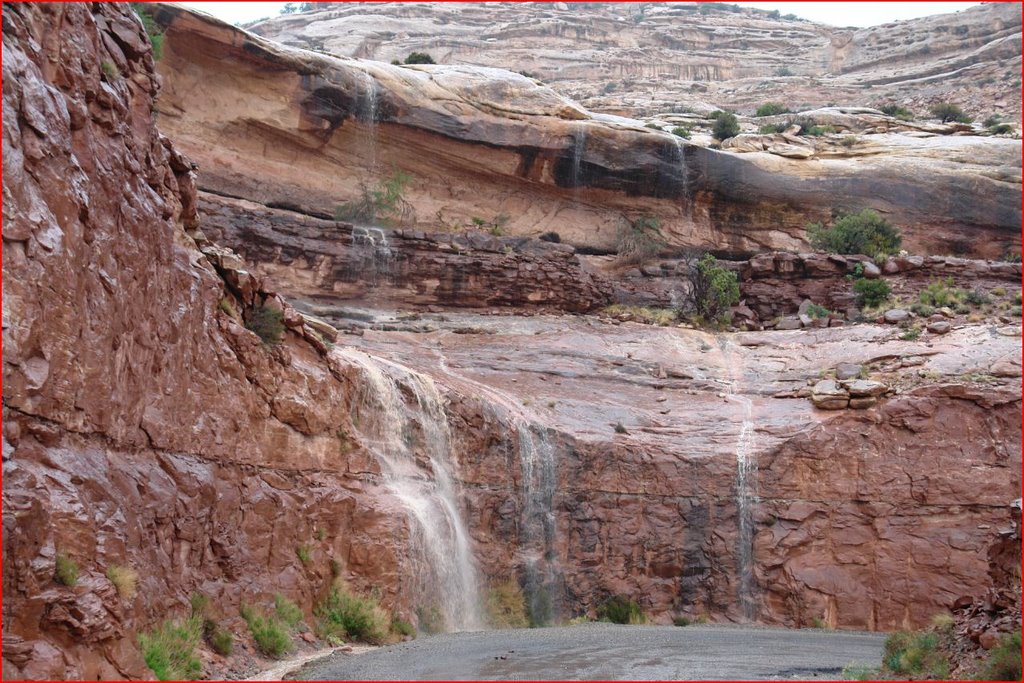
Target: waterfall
column 368, row 113
column 579, row 145
column 371, row 253
column 537, row 524
column 402, row 421
column 684, row 174
column 746, row 492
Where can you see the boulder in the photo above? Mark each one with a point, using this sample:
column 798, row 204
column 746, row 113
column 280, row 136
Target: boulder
column 859, row 388
column 828, row 395
column 896, row 315
column 789, row 324
column 939, row 327
column 848, row 370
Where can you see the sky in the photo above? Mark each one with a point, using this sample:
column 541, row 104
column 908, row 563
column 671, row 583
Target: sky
column 835, row 13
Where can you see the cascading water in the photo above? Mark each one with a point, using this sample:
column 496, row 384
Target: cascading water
column 368, row 113
column 537, row 524
column 411, row 441
column 371, row 253
column 746, row 493
column 684, row 175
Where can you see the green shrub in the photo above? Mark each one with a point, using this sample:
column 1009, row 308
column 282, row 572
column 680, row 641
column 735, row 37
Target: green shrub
column 66, row 570
column 915, row 654
column 849, row 141
column 681, row 621
column 785, row 70
column 621, row 610
column 639, row 239
column 976, row 297
column 1003, row 662
column 713, row 289
column 271, row 634
column 419, row 58
column 772, row 128
column 169, row 650
column 872, row 293
column 998, row 291
column 303, row 553
column 923, row 310
column 156, row 36
column 430, row 619
column 1016, row 297
column 771, row 109
column 682, row 131
column 506, row 606
column 383, row 204
column 911, row 333
column 287, row 611
column 946, row 112
column 267, row 323
column 402, row 627
column 816, row 311
column 220, row 639
column 124, row 580
column 109, row 71
column 856, row 233
column 726, row 126
column 647, row 315
column 940, row 293
column 897, row 111
column 343, row 614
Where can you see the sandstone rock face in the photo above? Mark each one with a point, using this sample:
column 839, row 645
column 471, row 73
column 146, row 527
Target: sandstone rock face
column 287, row 127
column 628, row 58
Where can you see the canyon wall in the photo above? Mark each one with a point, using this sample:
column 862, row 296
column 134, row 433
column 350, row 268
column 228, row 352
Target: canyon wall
column 292, row 128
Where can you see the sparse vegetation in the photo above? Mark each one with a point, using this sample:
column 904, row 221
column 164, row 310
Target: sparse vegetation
column 506, row 606
column 911, row 333
column 156, row 36
column 713, row 289
column 849, row 141
column 619, row 429
column 856, row 233
column 914, row 654
column 342, row 614
column 382, row 204
column 976, row 297
column 947, row 112
column 419, row 58
column 66, row 570
column 772, row 128
column 771, row 109
column 220, row 639
column 643, row 314
column 940, row 293
column 124, row 580
column 269, row 632
column 1003, row 663
column 682, row 131
column 287, row 611
column 109, row 71
column 621, row 610
column 430, row 619
column 303, row 553
column 726, row 126
column 267, row 323
column 402, row 627
column 639, row 239
column 681, row 621
column 872, row 293
column 785, row 70
column 169, row 650
column 897, row 111
column 815, row 311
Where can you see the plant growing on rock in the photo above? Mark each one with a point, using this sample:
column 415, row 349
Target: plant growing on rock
column 639, row 239
column 871, row 293
column 124, row 580
column 65, row 570
column 506, row 605
column 713, row 289
column 156, row 36
column 946, row 112
column 940, row 293
column 772, row 128
column 897, row 111
column 771, row 109
column 270, row 633
column 856, row 233
column 682, row 131
column 169, row 650
column 343, row 614
column 621, row 610
column 383, row 204
column 915, row 654
column 726, row 126
column 267, row 323
column 419, row 58
column 1003, row 663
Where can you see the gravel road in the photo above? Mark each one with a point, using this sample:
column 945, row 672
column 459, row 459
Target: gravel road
column 607, row 651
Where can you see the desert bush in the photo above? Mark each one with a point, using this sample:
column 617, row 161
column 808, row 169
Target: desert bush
column 621, row 610
column 897, row 111
column 643, row 314
column 430, row 619
column 620, row 428
column 169, row 650
column 382, row 204
column 1003, row 662
column 976, row 297
column 911, row 333
column 506, row 606
column 402, row 627
column 266, row 322
column 726, row 126
column 220, row 639
column 785, row 70
column 681, row 621
column 816, row 311
column 66, row 570
column 287, row 611
column 946, row 112
column 269, row 632
column 939, row 293
column 872, row 293
column 849, row 141
column 856, row 233
column 771, row 109
column 682, row 131
column 772, row 128
column 923, row 310
column 419, row 58
column 713, row 289
column 638, row 239
column 915, row 654
column 124, row 580
column 344, row 614
column 109, row 71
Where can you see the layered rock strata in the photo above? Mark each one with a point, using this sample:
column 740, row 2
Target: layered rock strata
column 287, row 127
